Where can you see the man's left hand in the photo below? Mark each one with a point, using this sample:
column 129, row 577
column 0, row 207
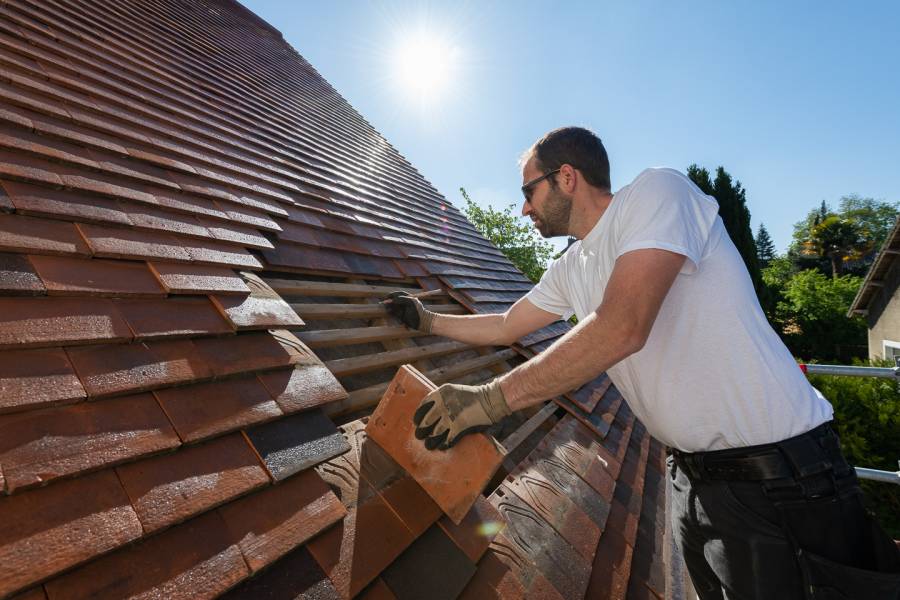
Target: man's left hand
column 452, row 411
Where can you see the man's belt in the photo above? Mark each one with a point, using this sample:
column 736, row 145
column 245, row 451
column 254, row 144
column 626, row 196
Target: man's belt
column 800, row 456
column 765, row 465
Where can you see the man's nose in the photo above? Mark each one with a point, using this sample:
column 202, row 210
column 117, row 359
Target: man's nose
column 526, row 208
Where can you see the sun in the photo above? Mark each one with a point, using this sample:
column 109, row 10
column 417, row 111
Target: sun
column 425, row 64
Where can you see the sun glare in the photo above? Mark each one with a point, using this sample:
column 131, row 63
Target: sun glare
column 425, row 66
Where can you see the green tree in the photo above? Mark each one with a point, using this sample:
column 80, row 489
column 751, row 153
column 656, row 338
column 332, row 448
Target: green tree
column 813, row 316
column 845, row 240
column 765, row 247
column 732, row 199
column 775, row 278
column 515, row 239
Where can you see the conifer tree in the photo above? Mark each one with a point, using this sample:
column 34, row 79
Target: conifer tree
column 732, row 199
column 765, row 247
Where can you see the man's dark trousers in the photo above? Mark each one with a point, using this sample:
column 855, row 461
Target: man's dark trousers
column 803, row 534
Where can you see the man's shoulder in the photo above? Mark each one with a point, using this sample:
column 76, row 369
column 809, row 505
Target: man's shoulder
column 658, row 176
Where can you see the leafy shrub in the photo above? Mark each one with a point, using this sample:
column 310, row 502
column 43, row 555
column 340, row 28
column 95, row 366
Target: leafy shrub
column 867, row 418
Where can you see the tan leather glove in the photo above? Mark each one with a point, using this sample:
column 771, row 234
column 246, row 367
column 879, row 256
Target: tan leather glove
column 409, row 310
column 452, row 411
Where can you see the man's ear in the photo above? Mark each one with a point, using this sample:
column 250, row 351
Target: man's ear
column 567, row 178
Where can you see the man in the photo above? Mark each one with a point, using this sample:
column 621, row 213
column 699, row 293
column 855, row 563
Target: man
column 764, row 504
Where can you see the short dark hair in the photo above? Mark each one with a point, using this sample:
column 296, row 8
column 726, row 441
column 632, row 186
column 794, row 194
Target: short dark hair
column 574, row 146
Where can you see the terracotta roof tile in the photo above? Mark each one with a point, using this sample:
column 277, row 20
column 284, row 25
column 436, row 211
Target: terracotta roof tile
column 273, row 522
column 173, row 487
column 18, row 277
column 30, row 234
column 414, row 574
column 356, row 550
column 35, row 378
column 297, row 442
column 533, row 540
column 108, row 370
column 249, row 216
column 64, row 276
column 33, row 322
column 115, row 242
column 151, row 217
column 262, row 309
column 210, row 252
column 246, row 352
column 32, row 549
column 198, row 557
column 287, row 255
column 41, row 445
column 497, row 580
column 377, row 590
column 237, row 234
column 173, row 317
column 43, row 201
column 572, row 523
column 477, row 529
column 177, row 278
column 612, row 567
column 303, row 387
column 17, row 165
column 449, row 477
column 206, row 409
column 296, row 576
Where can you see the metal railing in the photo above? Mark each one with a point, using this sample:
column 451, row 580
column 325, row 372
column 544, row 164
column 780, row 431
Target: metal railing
column 881, row 372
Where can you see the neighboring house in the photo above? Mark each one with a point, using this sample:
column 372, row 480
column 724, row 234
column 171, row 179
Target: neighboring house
column 195, row 230
column 878, row 300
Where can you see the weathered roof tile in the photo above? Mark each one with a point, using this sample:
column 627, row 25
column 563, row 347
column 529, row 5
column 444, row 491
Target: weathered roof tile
column 206, row 409
column 64, row 276
column 34, row 322
column 117, row 242
column 30, row 234
column 41, row 445
column 36, row 378
column 111, row 369
column 303, row 387
column 173, row 317
column 177, row 278
column 32, row 549
column 170, row 488
column 273, row 522
column 18, row 277
column 196, row 558
column 297, row 442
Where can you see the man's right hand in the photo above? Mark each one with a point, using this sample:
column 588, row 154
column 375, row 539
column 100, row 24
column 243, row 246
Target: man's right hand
column 409, row 310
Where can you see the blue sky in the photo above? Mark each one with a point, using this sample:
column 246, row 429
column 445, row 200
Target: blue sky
column 801, row 103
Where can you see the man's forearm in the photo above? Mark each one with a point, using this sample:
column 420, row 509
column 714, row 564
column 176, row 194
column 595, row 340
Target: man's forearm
column 590, row 348
column 478, row 330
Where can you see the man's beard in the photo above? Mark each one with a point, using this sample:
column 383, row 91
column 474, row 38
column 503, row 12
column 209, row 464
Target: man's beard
column 553, row 220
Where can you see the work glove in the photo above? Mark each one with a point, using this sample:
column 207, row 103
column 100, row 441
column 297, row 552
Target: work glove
column 452, row 411
column 409, row 310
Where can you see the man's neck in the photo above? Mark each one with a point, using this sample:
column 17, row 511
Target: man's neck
column 587, row 213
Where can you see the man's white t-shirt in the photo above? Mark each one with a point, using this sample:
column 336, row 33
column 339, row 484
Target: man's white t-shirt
column 712, row 374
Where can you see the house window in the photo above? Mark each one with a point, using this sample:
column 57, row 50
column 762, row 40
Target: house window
column 891, row 349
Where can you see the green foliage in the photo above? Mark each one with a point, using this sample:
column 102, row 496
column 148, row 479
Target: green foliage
column 845, row 240
column 515, row 239
column 732, row 199
column 812, row 313
column 867, row 417
column 765, row 247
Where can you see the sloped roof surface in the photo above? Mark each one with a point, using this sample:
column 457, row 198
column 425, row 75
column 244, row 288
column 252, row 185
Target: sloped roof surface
column 194, row 232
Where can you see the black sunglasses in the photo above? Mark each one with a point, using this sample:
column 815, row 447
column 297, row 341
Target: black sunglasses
column 526, row 189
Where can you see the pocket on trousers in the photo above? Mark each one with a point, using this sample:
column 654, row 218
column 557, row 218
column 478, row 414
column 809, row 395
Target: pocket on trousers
column 828, row 580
